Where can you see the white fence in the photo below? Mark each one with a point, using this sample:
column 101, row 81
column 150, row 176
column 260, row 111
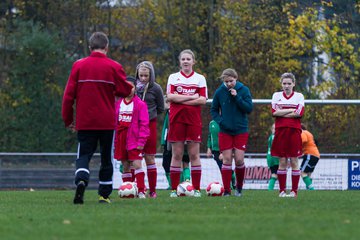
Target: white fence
column 334, row 171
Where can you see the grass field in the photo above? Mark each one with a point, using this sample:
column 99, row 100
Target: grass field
column 259, row 214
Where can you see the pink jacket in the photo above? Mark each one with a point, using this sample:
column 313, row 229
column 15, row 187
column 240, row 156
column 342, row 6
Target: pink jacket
column 139, row 130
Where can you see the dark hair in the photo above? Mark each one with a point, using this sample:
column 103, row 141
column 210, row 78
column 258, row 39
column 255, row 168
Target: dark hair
column 98, row 40
column 316, row 142
column 303, row 127
column 131, row 79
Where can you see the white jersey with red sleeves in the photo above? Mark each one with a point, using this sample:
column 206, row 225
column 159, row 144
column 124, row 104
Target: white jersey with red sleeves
column 179, row 83
column 294, row 101
column 125, row 114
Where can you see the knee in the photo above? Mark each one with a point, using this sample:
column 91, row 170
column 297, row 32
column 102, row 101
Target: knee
column 294, row 164
column 177, row 157
column 227, row 161
column 239, row 162
column 176, row 162
column 137, row 164
column 149, row 159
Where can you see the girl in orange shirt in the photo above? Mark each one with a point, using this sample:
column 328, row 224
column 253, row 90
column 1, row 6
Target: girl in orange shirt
column 310, row 158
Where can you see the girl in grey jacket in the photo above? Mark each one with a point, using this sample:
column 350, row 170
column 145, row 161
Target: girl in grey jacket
column 151, row 93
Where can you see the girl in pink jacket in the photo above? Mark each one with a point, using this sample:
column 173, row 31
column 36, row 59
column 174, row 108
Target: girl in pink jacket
column 132, row 131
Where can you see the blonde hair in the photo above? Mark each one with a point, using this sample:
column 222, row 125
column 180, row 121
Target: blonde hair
column 145, row 64
column 288, row 75
column 229, row 72
column 187, row 51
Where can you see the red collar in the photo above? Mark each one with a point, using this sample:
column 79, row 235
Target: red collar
column 187, row 76
column 288, row 97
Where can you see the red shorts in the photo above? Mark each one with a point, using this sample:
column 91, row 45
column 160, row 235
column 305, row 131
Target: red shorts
column 287, row 143
column 134, row 154
column 238, row 141
column 150, row 146
column 120, row 152
column 130, row 155
column 180, row 132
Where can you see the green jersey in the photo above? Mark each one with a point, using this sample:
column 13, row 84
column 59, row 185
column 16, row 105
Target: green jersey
column 271, row 161
column 165, row 132
column 213, row 138
column 165, row 129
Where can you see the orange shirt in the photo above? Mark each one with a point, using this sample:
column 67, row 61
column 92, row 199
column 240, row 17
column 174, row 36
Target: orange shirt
column 308, row 143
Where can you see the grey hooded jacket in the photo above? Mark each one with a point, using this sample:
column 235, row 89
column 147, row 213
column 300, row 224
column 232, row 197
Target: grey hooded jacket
column 152, row 94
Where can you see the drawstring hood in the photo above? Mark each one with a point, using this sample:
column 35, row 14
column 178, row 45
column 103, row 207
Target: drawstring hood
column 150, row 92
column 142, row 88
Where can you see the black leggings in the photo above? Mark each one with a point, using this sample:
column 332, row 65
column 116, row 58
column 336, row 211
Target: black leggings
column 216, row 158
column 166, row 160
column 167, row 154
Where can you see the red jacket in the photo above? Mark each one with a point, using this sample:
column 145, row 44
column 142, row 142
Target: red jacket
column 94, row 82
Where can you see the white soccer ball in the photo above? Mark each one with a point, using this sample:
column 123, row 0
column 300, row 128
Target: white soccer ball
column 185, row 189
column 215, row 189
column 128, row 190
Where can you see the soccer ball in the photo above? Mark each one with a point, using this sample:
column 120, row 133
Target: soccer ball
column 215, row 189
column 128, row 190
column 185, row 189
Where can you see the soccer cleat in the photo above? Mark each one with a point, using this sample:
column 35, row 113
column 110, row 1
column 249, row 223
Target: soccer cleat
column 272, row 182
column 282, row 194
column 238, row 193
column 173, row 194
column 104, row 200
column 310, row 187
column 79, row 193
column 292, row 194
column 227, row 194
column 141, row 195
column 153, row 195
column 197, row 193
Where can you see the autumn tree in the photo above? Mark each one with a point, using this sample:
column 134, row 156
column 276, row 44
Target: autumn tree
column 261, row 39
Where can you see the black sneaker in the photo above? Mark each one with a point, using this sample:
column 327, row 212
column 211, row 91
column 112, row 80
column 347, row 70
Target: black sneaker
column 104, row 199
column 227, row 194
column 238, row 192
column 79, row 193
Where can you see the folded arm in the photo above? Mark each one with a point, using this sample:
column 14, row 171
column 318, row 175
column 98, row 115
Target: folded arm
column 199, row 101
column 177, row 98
column 288, row 113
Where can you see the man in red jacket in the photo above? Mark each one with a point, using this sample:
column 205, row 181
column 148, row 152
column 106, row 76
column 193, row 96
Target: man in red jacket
column 94, row 82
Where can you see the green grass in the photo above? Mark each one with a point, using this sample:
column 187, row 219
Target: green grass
column 256, row 215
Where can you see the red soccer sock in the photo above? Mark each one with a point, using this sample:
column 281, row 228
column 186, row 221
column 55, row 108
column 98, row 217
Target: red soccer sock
column 140, row 176
column 240, row 174
column 152, row 176
column 126, row 177
column 132, row 170
column 295, row 177
column 226, row 172
column 175, row 173
column 282, row 179
column 196, row 176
